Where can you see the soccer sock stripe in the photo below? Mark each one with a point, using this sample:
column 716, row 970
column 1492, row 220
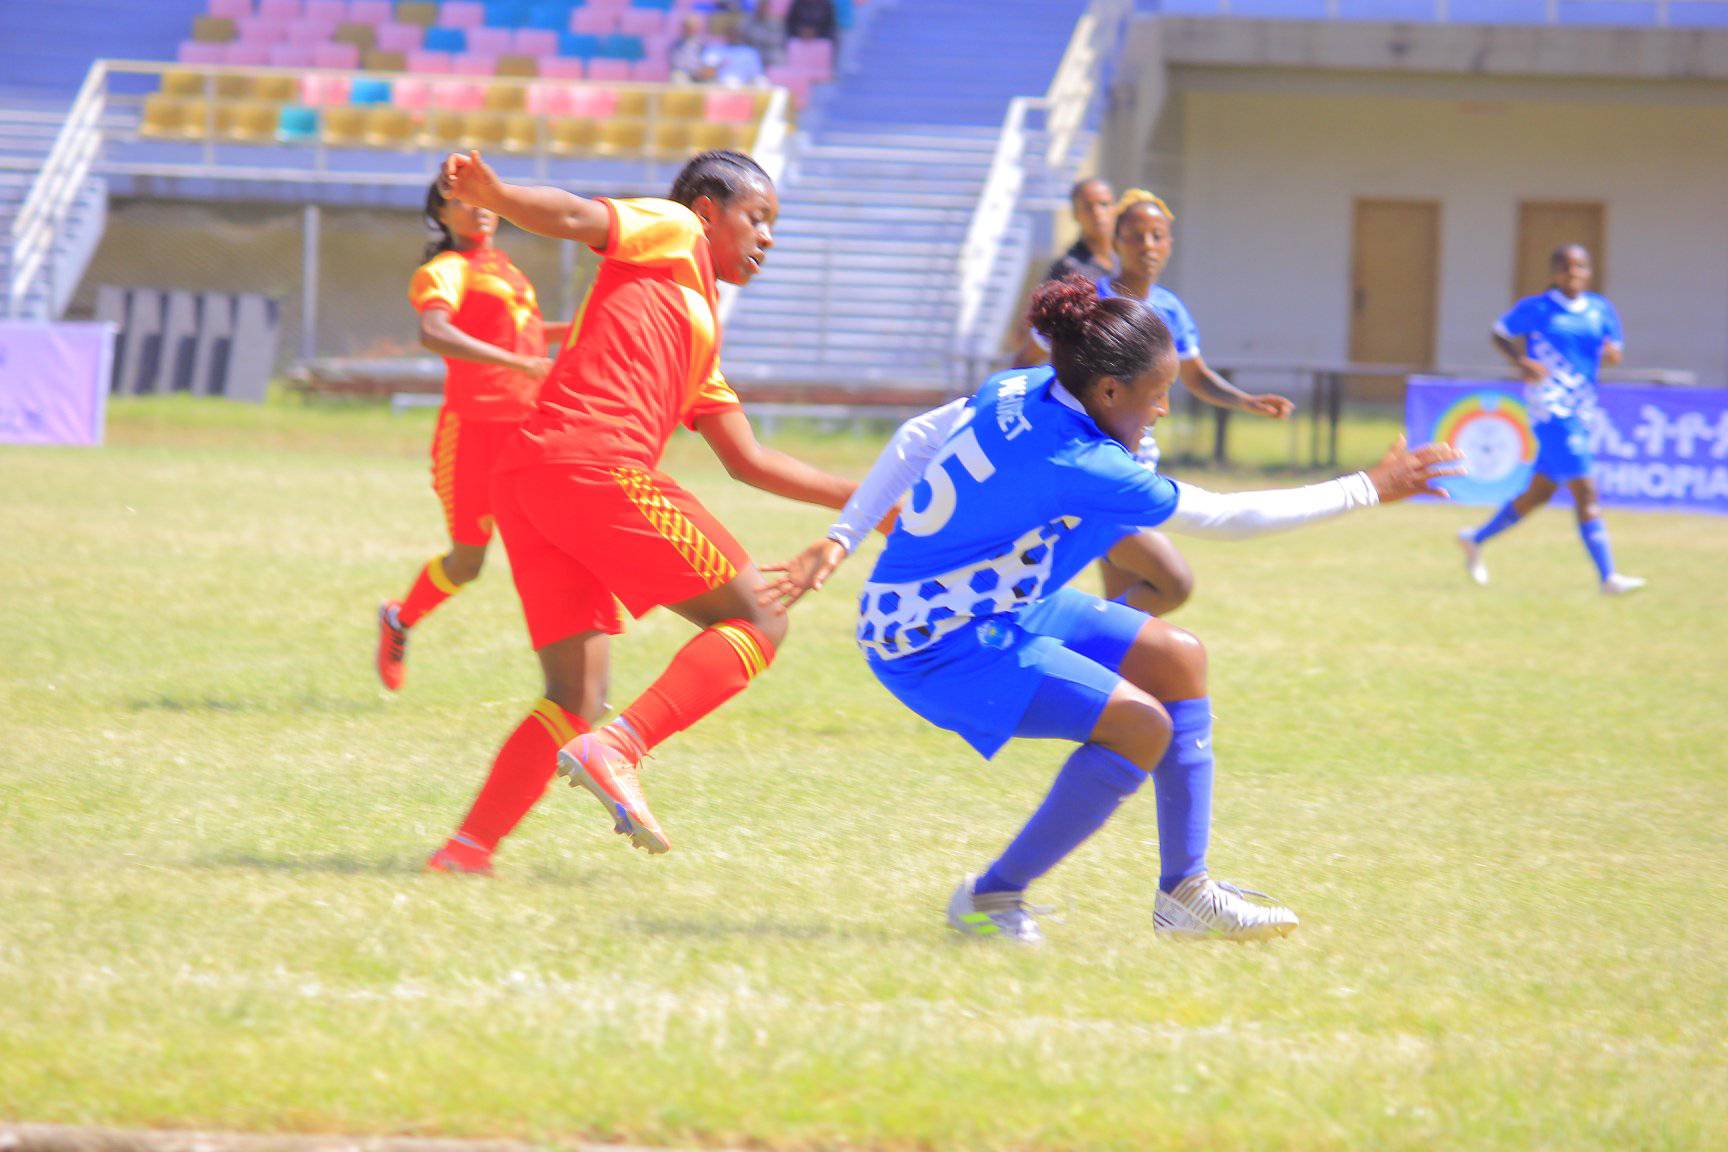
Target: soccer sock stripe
column 1182, row 783
column 520, row 773
column 716, row 665
column 1092, row 784
column 440, row 578
column 431, row 588
column 556, row 721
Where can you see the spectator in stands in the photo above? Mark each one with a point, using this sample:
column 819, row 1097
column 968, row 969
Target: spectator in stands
column 733, row 63
column 686, row 54
column 812, row 18
column 1093, row 202
column 766, row 32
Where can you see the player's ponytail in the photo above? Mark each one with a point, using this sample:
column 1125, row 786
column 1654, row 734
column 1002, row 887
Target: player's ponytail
column 1091, row 338
column 439, row 238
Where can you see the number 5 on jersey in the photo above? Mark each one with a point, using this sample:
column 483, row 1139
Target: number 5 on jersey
column 964, row 447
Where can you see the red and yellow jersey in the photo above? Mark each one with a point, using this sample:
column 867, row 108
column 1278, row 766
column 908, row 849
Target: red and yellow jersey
column 489, row 299
column 644, row 353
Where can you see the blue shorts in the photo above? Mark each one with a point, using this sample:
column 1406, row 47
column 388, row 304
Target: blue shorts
column 1562, row 448
column 1043, row 673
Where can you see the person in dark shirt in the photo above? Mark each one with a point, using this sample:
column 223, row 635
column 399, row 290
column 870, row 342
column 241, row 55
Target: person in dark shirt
column 1094, row 204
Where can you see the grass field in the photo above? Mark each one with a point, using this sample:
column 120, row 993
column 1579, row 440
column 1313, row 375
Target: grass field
column 1501, row 813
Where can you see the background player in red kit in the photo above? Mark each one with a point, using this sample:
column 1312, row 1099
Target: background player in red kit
column 587, row 518
column 479, row 312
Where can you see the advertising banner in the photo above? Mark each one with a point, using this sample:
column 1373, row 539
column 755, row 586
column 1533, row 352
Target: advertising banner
column 53, row 382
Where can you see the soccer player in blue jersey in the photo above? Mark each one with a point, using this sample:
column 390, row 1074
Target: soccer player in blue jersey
column 1566, row 333
column 967, row 621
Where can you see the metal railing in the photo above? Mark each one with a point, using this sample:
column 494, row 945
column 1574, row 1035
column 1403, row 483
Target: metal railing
column 1660, row 12
column 42, row 218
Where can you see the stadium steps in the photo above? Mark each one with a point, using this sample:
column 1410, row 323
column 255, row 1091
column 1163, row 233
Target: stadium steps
column 861, row 287
column 28, row 129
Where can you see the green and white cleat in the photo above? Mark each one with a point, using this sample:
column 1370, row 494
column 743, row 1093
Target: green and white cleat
column 995, row 915
column 1202, row 908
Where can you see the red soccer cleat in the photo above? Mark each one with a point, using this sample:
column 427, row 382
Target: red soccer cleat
column 460, row 858
column 392, row 646
column 597, row 764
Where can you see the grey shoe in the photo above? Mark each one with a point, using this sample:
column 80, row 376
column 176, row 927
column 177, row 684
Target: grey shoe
column 1000, row 915
column 1202, row 908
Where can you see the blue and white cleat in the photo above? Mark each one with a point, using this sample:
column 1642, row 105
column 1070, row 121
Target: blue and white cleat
column 1202, row 908
column 995, row 915
column 1618, row 585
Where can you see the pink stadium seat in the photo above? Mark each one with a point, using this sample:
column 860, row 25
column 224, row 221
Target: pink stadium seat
column 651, row 71
column 324, row 91
column 594, row 21
column 192, row 52
column 283, row 10
column 729, row 107
column 411, row 94
column 400, row 37
column 309, row 32
column 290, row 55
column 430, row 62
column 604, row 68
column 489, row 41
column 335, row 56
column 232, row 9
column 474, row 64
column 609, row 5
column 813, row 57
column 562, row 68
column 462, row 14
column 261, row 30
column 459, row 96
column 593, row 103
column 245, row 55
column 793, row 80
column 372, row 12
column 331, row 12
column 641, row 22
column 534, row 42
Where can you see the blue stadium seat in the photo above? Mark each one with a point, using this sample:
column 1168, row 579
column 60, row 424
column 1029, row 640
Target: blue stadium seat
column 446, row 40
column 1700, row 15
column 297, row 124
column 653, row 5
column 553, row 17
column 578, row 44
column 1619, row 12
column 366, row 90
column 622, row 48
column 1498, row 11
column 1412, row 11
column 1280, row 9
column 506, row 14
column 1189, row 7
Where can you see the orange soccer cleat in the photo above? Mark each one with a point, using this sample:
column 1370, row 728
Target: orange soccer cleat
column 598, row 764
column 392, row 646
column 462, row 857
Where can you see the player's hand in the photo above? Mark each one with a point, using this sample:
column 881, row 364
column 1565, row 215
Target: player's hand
column 1270, row 405
column 469, row 179
column 805, row 572
column 536, row 367
column 1403, row 472
column 1531, row 371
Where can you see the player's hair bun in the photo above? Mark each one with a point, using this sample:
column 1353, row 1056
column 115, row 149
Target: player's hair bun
column 1062, row 309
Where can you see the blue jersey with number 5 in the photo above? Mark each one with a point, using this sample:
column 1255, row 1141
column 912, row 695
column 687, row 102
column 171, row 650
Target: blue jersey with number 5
column 1026, row 491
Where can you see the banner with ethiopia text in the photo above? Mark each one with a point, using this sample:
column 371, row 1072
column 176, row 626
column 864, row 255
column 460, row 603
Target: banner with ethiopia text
column 1653, row 447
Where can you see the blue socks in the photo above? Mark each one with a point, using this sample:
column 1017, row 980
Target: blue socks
column 1595, row 535
column 1183, row 784
column 1503, row 519
column 1087, row 790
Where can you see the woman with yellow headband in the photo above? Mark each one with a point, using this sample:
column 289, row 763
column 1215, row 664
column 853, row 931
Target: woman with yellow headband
column 1145, row 570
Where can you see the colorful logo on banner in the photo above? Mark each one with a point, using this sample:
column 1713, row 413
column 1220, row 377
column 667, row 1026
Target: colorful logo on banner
column 1650, row 447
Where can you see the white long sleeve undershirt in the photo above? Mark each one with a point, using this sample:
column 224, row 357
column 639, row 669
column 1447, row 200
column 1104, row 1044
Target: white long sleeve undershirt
column 898, row 468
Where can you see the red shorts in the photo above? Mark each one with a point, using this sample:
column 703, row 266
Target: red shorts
column 582, row 538
column 463, row 454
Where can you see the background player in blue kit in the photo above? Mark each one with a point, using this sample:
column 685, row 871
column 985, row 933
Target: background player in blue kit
column 967, row 621
column 1567, row 332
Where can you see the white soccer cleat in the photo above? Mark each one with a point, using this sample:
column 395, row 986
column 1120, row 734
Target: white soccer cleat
column 1618, row 585
column 997, row 915
column 1473, row 563
column 1202, row 908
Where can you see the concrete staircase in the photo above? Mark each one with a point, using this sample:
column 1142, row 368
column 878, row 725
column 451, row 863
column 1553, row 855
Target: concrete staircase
column 860, row 287
column 27, row 133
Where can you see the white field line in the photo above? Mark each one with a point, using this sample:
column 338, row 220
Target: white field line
column 69, row 1138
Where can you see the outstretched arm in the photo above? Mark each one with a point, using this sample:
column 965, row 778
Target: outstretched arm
column 438, row 333
column 1199, row 379
column 747, row 459
column 543, row 211
column 1243, row 515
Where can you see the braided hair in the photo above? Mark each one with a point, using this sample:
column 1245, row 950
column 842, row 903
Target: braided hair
column 439, row 238
column 721, row 175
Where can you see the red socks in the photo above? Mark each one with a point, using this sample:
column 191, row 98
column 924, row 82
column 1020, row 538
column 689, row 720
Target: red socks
column 707, row 672
column 431, row 588
column 520, row 774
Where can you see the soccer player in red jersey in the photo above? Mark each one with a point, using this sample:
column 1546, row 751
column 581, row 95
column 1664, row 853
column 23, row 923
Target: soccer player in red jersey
column 479, row 312
column 588, row 519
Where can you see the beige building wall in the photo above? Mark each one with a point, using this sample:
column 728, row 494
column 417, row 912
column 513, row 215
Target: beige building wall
column 1266, row 164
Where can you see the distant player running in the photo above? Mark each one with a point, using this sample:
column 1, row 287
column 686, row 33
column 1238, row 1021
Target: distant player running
column 1567, row 333
column 587, row 518
column 967, row 621
column 479, row 312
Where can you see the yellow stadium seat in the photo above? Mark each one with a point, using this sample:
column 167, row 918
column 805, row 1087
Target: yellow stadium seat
column 621, row 138
column 233, row 87
column 163, row 116
column 682, row 103
column 388, row 127
column 362, row 36
column 275, row 89
column 632, row 104
column 506, row 98
column 574, row 137
column 526, row 66
column 421, row 12
column 706, row 137
column 214, row 30
column 671, row 138
column 522, row 132
column 440, row 129
column 252, row 122
column 373, row 60
column 198, row 119
column 484, row 130
column 182, row 85
column 343, row 127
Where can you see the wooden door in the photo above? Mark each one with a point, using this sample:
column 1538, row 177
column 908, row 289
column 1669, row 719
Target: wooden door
column 1394, row 290
column 1544, row 225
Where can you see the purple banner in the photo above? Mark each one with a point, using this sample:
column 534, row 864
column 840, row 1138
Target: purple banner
column 1653, row 447
column 54, row 382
